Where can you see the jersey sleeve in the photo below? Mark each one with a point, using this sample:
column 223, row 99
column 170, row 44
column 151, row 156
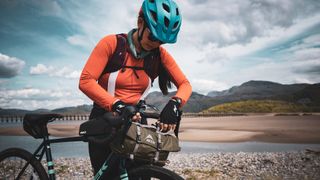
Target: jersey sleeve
column 184, row 88
column 93, row 69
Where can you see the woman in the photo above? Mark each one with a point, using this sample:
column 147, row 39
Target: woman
column 159, row 22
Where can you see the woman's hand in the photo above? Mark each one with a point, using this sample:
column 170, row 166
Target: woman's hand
column 136, row 117
column 166, row 127
column 169, row 116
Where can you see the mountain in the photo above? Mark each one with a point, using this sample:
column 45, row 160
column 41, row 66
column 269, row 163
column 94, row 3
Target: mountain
column 196, row 103
column 83, row 109
column 251, row 90
column 21, row 112
column 259, row 90
column 307, row 95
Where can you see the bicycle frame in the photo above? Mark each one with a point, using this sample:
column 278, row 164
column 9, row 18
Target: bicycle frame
column 44, row 148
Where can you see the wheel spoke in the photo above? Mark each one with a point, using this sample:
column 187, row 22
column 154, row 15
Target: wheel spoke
column 17, row 163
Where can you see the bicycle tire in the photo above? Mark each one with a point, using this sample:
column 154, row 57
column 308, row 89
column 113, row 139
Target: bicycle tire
column 13, row 158
column 152, row 172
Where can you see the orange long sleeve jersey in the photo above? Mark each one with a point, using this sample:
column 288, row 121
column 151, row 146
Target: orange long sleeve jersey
column 125, row 85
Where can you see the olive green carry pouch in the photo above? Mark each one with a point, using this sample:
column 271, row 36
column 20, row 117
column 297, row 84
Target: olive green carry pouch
column 144, row 142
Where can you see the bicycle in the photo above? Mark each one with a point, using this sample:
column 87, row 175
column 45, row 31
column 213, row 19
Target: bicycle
column 17, row 163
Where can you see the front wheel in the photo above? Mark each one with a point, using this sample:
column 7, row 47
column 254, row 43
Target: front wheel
column 148, row 172
column 16, row 163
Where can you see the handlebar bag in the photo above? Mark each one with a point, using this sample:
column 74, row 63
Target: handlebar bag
column 145, row 142
column 97, row 130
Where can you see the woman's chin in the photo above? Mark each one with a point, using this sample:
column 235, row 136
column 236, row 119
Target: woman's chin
column 150, row 46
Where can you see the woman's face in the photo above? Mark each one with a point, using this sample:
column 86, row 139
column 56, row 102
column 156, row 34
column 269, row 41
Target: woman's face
column 148, row 42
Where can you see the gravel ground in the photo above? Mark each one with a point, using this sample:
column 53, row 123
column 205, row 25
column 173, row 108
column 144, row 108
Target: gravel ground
column 282, row 165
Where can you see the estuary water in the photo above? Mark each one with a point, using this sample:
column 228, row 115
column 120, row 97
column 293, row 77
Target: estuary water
column 80, row 149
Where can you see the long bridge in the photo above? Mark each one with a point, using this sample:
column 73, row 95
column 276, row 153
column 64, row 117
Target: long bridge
column 19, row 118
column 84, row 117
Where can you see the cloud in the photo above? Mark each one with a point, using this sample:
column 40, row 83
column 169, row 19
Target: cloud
column 313, row 70
column 78, row 40
column 65, row 72
column 239, row 22
column 204, row 86
column 40, row 69
column 47, row 7
column 94, row 20
column 221, row 43
column 34, row 93
column 10, row 66
column 33, row 98
column 307, row 62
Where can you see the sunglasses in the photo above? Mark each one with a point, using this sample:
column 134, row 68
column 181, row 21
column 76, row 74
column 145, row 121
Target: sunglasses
column 153, row 39
column 151, row 36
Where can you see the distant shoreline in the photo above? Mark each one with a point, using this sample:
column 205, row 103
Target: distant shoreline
column 260, row 128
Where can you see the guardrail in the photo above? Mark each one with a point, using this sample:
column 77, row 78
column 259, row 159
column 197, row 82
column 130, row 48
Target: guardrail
column 19, row 118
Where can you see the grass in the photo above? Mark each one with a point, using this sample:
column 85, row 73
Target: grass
column 257, row 106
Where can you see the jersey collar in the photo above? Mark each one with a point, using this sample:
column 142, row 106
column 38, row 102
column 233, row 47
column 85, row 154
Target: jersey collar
column 132, row 48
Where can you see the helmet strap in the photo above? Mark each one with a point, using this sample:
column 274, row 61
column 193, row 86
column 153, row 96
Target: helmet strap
column 140, row 35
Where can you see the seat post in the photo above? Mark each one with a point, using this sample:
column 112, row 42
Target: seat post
column 47, row 147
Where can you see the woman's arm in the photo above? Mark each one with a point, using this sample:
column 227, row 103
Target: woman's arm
column 93, row 69
column 184, row 88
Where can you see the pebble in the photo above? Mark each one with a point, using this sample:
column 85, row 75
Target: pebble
column 259, row 165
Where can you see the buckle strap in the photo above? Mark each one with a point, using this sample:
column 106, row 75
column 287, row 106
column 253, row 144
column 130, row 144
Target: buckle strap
column 159, row 142
column 138, row 139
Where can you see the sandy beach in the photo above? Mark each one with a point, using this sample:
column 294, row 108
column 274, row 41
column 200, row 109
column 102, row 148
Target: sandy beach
column 263, row 128
column 221, row 165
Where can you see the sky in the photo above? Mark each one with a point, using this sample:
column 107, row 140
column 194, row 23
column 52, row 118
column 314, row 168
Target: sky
column 44, row 45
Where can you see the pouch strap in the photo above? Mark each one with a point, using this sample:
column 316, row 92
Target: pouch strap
column 156, row 157
column 159, row 142
column 136, row 147
column 138, row 140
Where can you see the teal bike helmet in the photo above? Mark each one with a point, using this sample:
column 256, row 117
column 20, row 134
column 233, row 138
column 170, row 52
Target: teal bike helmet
column 163, row 18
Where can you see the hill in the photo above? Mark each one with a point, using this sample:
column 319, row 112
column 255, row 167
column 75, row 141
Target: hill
column 196, row 103
column 257, row 106
column 83, row 109
column 307, row 95
column 259, row 90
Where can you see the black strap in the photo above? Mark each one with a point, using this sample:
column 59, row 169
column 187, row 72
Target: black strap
column 134, row 69
column 152, row 64
column 117, row 60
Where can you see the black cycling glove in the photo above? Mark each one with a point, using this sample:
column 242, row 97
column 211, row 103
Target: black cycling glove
column 118, row 107
column 170, row 113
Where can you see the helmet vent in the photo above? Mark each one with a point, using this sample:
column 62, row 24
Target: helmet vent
column 166, row 21
column 166, row 7
column 177, row 11
column 175, row 24
column 154, row 16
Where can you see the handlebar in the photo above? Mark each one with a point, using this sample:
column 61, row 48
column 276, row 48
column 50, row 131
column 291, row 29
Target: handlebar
column 127, row 114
